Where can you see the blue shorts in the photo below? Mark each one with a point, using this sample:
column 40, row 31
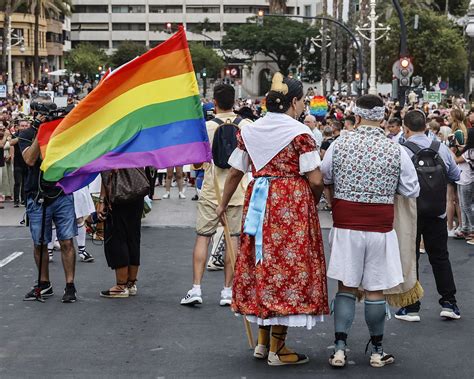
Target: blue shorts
column 61, row 211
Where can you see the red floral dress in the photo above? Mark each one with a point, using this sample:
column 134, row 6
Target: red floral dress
column 291, row 280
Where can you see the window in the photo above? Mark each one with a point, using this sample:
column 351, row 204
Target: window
column 116, row 44
column 203, row 9
column 54, row 37
column 89, row 26
column 165, row 9
column 66, row 35
column 91, row 9
column 307, row 10
column 244, row 9
column 128, row 9
column 128, row 26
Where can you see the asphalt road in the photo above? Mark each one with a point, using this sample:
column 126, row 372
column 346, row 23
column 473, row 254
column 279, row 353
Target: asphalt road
column 152, row 336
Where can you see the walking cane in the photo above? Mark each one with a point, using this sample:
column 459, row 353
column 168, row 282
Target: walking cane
column 229, row 249
column 40, row 266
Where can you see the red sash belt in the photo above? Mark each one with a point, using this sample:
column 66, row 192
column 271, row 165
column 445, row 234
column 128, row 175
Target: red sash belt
column 362, row 216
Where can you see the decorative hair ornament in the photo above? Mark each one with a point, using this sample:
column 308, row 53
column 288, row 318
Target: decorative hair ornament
column 278, row 85
column 374, row 114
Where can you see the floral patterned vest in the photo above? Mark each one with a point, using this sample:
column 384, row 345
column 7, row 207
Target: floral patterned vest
column 366, row 166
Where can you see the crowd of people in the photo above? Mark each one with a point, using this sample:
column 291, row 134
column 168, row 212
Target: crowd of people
column 275, row 164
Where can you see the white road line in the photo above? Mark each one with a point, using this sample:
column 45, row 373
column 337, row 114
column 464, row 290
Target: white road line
column 10, row 258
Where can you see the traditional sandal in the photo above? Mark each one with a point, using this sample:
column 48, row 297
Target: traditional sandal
column 261, row 352
column 338, row 359
column 274, row 358
column 122, row 292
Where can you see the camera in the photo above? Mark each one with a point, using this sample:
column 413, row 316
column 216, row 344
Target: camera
column 48, row 109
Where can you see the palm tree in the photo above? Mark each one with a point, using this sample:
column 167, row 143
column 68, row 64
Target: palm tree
column 8, row 7
column 340, row 47
column 332, row 50
column 277, row 6
column 51, row 8
column 324, row 57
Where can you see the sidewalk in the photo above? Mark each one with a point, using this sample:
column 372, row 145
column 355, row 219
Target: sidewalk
column 172, row 212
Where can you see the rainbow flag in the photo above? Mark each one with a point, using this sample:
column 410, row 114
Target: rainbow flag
column 318, row 106
column 146, row 113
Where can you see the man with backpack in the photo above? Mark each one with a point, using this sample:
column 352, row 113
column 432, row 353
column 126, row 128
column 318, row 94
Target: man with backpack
column 435, row 167
column 222, row 136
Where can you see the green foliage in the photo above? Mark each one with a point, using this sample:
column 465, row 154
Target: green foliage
column 126, row 51
column 205, row 26
column 437, row 48
column 205, row 57
column 85, row 59
column 280, row 39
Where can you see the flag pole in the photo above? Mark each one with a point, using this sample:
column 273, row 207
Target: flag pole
column 229, row 249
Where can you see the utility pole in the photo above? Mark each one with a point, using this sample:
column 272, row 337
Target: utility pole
column 9, row 50
column 372, row 38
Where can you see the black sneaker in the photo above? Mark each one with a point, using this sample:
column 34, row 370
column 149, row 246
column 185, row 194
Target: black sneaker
column 69, row 293
column 85, row 256
column 450, row 311
column 16, row 204
column 46, row 291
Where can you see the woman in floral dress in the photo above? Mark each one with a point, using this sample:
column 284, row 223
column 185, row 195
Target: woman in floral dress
column 280, row 273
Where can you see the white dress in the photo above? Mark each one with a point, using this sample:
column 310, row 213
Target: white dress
column 83, row 203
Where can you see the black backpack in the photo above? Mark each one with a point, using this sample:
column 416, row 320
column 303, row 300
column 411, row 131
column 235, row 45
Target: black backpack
column 225, row 141
column 432, row 177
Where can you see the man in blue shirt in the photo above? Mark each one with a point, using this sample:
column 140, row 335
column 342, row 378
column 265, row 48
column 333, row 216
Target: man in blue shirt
column 432, row 229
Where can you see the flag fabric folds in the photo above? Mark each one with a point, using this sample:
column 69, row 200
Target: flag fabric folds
column 146, row 113
column 318, row 106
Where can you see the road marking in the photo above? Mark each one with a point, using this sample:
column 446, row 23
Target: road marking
column 10, row 258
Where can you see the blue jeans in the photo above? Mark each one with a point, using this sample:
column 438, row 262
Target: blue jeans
column 466, row 194
column 61, row 211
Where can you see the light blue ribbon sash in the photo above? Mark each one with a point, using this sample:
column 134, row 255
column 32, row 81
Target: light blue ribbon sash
column 253, row 225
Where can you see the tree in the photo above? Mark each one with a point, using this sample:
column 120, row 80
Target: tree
column 51, row 8
column 126, row 51
column 437, row 47
column 205, row 57
column 85, row 59
column 280, row 39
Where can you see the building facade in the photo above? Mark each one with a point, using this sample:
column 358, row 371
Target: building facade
column 106, row 23
column 53, row 42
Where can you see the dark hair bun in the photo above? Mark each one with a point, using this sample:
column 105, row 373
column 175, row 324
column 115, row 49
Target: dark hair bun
column 277, row 102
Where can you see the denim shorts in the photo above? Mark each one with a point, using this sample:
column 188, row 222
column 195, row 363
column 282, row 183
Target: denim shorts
column 60, row 211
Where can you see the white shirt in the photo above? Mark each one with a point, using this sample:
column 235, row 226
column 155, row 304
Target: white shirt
column 396, row 138
column 318, row 136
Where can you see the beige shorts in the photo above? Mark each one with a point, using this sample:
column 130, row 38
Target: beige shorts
column 207, row 220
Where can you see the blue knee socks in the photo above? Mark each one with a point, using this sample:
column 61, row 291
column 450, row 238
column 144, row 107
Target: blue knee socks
column 344, row 311
column 375, row 311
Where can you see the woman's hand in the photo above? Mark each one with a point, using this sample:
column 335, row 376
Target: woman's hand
column 220, row 210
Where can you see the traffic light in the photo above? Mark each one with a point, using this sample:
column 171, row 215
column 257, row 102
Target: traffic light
column 203, row 72
column 260, row 18
column 405, row 71
column 416, row 81
column 99, row 68
column 227, row 71
column 168, row 27
column 357, row 77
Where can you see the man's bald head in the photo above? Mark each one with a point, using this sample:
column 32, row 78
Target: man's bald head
column 310, row 121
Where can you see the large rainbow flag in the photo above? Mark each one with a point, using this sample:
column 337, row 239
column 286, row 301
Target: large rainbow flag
column 146, row 113
column 318, row 106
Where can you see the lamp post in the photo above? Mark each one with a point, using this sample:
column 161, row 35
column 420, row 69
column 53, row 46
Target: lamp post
column 9, row 49
column 470, row 33
column 372, row 38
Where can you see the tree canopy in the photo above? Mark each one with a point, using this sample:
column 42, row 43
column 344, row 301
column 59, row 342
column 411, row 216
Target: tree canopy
column 205, row 57
column 126, row 51
column 437, row 47
column 280, row 39
column 85, row 59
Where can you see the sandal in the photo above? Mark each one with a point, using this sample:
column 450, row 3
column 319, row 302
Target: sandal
column 274, row 358
column 338, row 359
column 118, row 291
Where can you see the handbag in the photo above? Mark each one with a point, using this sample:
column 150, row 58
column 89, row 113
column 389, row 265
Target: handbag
column 127, row 185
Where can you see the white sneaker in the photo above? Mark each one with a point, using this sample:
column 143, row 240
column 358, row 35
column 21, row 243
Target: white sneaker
column 57, row 246
column 226, row 297
column 181, row 195
column 451, row 232
column 166, row 195
column 380, row 360
column 50, row 255
column 132, row 289
column 193, row 297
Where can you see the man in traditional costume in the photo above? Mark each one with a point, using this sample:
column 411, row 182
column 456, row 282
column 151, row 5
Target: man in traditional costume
column 366, row 170
column 280, row 270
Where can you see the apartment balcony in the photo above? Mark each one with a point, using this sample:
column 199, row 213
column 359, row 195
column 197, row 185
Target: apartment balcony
column 54, row 48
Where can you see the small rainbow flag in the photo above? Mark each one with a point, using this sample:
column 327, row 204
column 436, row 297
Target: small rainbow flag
column 146, row 113
column 318, row 106
column 263, row 105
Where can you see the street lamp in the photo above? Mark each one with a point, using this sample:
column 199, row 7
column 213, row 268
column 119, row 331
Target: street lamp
column 9, row 49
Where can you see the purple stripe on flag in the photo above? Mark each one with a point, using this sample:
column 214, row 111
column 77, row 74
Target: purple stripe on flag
column 177, row 155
